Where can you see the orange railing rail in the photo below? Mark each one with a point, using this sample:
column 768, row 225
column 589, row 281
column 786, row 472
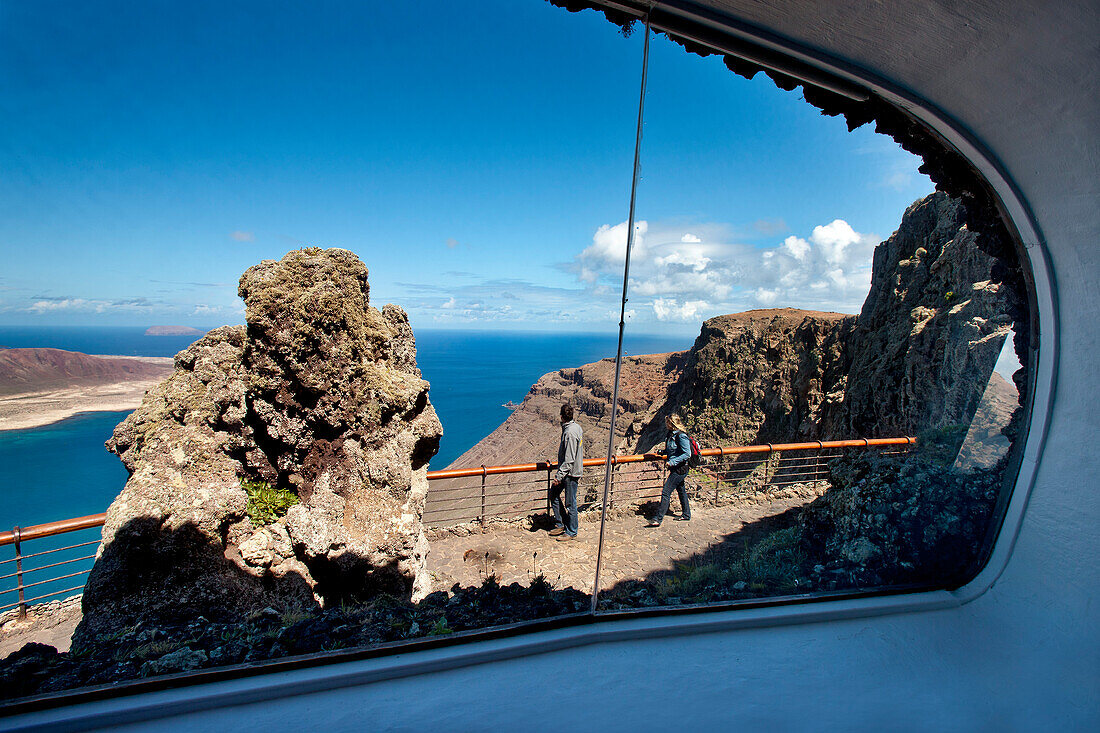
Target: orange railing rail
column 19, row 535
column 642, row 457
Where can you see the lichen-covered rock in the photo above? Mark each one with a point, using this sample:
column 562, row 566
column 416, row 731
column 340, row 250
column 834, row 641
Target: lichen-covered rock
column 319, row 395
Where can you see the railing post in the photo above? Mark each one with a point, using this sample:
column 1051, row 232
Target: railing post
column 769, row 467
column 611, row 487
column 19, row 573
column 549, row 510
column 481, row 517
column 718, row 481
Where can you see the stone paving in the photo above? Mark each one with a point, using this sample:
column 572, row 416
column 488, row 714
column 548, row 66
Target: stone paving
column 517, row 552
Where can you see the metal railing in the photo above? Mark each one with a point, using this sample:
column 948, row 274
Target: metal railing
column 66, row 557
column 477, row 494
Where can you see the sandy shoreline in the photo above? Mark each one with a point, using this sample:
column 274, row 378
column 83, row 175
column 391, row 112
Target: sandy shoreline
column 35, row 409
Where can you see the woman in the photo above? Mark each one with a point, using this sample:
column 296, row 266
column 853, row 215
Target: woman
column 678, row 451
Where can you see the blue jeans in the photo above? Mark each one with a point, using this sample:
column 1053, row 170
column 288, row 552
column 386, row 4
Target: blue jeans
column 565, row 516
column 674, row 481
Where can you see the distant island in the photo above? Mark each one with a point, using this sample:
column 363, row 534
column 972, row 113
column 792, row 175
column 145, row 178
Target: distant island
column 173, row 331
column 39, row 386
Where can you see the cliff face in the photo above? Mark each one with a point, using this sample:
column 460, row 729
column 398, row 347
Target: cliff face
column 762, row 376
column 533, row 430
column 930, row 330
column 985, row 442
column 318, row 402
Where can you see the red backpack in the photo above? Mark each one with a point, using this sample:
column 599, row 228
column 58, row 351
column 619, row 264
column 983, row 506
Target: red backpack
column 696, row 457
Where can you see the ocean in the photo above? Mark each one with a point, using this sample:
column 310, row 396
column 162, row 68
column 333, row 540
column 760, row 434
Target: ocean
column 63, row 470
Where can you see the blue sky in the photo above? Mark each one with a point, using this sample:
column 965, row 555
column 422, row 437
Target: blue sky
column 477, row 162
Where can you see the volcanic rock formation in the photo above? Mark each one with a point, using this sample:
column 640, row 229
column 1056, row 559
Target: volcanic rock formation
column 318, row 400
column 763, row 376
column 930, row 330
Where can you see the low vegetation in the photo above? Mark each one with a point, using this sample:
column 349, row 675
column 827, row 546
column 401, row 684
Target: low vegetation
column 266, row 503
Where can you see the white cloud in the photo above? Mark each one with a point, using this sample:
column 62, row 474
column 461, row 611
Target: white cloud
column 449, row 304
column 796, row 247
column 608, row 249
column 205, row 310
column 765, row 296
column 695, row 271
column 53, row 305
column 667, row 309
column 451, row 243
column 45, row 306
column 243, row 236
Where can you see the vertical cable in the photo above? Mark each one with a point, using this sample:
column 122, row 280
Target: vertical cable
column 622, row 316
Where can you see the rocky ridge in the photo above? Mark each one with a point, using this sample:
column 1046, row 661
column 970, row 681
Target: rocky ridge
column 319, row 400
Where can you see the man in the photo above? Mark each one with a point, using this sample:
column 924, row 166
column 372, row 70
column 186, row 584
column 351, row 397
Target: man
column 570, row 459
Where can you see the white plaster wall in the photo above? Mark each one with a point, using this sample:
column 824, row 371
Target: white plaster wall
column 1022, row 78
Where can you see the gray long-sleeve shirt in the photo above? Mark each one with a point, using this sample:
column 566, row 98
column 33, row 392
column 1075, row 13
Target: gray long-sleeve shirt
column 570, row 451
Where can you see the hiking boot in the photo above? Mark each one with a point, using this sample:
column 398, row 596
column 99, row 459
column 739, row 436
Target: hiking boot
column 653, row 523
column 564, row 536
column 557, row 531
column 682, row 519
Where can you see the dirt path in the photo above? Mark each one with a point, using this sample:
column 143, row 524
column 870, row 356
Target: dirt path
column 50, row 623
column 516, row 553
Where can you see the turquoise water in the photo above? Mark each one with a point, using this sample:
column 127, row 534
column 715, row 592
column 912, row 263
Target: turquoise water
column 59, row 471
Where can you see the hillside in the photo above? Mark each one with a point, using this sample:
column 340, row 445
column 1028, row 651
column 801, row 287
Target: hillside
column 25, row 371
column 532, row 430
column 173, row 331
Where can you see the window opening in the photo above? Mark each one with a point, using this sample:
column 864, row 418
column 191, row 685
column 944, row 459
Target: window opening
column 843, row 457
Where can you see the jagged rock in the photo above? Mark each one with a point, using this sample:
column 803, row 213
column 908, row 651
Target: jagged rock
column 986, row 441
column 319, row 396
column 763, row 376
column 930, row 330
column 887, row 521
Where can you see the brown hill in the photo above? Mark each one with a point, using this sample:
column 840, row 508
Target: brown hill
column 36, row 370
column 173, row 331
